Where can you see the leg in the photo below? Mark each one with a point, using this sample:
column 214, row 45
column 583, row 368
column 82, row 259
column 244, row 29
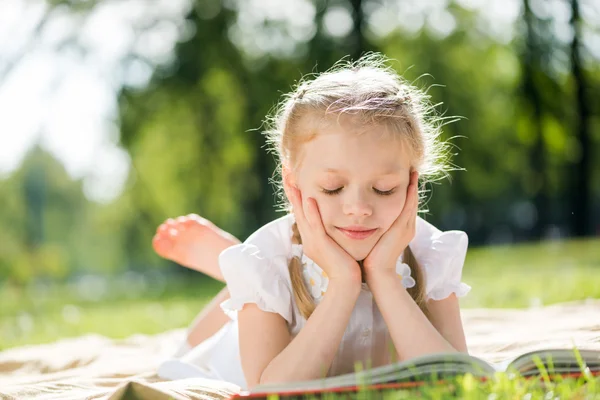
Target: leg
column 209, row 321
column 193, row 242
column 196, row 243
column 183, row 363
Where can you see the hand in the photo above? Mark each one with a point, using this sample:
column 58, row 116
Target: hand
column 383, row 257
column 317, row 244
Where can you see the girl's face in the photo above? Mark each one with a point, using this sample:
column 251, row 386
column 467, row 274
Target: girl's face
column 358, row 180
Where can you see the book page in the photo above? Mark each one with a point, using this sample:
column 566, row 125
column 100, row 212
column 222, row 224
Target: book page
column 420, row 368
column 556, row 361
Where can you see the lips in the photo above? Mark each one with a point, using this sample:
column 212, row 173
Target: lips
column 357, row 232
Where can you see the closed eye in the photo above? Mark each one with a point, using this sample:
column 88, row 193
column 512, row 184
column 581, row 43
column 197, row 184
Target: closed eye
column 384, row 192
column 338, row 190
column 332, row 192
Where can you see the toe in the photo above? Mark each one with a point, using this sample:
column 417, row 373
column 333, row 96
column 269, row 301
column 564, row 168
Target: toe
column 162, row 245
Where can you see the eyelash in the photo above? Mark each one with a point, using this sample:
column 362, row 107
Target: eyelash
column 338, row 190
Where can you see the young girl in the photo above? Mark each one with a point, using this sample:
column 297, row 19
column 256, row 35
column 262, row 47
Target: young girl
column 351, row 274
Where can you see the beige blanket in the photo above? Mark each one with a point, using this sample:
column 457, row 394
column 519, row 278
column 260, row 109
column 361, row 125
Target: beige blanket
column 95, row 367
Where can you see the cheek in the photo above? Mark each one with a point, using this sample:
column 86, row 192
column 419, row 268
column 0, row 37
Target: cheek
column 322, row 200
column 328, row 208
column 390, row 211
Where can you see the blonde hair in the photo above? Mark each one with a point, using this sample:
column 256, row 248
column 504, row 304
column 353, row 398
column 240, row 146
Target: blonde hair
column 371, row 93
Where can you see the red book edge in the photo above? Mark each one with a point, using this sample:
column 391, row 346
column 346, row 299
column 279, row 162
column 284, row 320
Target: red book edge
column 380, row 386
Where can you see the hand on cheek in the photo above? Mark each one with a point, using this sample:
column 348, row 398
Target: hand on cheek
column 317, row 244
column 383, row 256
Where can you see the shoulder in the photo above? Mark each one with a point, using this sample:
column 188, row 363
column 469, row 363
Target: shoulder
column 273, row 238
column 441, row 255
column 257, row 271
column 429, row 239
column 270, row 243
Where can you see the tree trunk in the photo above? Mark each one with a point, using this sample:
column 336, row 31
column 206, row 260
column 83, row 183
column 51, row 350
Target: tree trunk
column 531, row 64
column 580, row 206
column 357, row 36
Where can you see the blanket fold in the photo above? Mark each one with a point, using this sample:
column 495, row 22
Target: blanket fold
column 96, row 367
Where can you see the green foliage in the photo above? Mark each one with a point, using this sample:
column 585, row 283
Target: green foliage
column 193, row 136
column 41, row 207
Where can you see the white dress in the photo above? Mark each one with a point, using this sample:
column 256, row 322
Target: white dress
column 256, row 271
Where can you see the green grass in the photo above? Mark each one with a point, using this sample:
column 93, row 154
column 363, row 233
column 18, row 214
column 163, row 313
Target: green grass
column 533, row 274
column 503, row 276
column 46, row 313
column 503, row 386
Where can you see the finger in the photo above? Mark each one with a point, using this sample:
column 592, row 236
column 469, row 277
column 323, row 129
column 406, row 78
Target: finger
column 287, row 190
column 410, row 204
column 415, row 195
column 296, row 199
column 412, row 197
column 314, row 215
column 414, row 212
column 412, row 207
column 414, row 181
column 415, row 206
column 414, row 176
column 416, row 199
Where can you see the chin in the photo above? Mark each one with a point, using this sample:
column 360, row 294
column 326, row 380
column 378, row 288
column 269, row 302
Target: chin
column 357, row 253
column 359, row 250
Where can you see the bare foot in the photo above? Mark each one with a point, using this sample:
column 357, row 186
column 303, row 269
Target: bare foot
column 193, row 242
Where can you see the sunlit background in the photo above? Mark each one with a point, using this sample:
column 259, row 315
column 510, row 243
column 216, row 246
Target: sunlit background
column 117, row 114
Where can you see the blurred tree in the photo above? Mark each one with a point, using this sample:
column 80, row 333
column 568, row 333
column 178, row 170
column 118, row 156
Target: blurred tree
column 195, row 146
column 42, row 208
column 186, row 135
column 222, row 96
column 532, row 58
column 358, row 37
column 34, row 189
column 582, row 173
column 474, row 77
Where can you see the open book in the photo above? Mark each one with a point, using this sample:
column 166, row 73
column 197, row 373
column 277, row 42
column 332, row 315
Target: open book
column 442, row 366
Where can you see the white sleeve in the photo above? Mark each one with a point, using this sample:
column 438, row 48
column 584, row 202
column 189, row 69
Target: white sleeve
column 442, row 257
column 252, row 277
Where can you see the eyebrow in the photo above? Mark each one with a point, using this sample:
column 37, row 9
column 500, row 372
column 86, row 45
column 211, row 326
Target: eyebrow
column 388, row 171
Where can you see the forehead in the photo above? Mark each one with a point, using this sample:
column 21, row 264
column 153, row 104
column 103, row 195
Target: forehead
column 342, row 148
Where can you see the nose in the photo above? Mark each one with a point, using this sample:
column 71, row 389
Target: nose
column 357, row 205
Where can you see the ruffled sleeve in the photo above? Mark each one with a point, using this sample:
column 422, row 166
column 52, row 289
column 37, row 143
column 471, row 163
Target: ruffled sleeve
column 253, row 277
column 442, row 256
